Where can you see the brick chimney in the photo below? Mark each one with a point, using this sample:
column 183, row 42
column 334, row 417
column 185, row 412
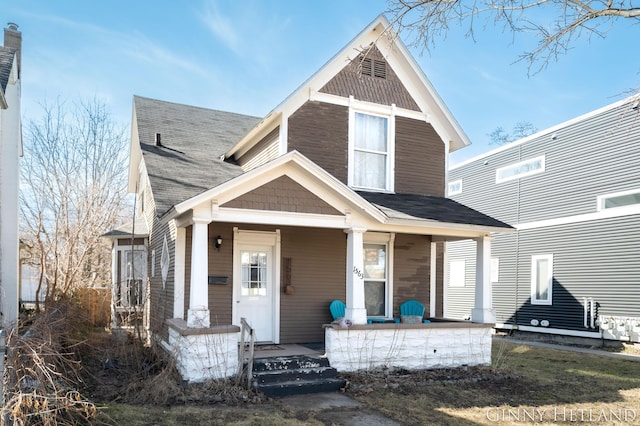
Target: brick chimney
column 13, row 40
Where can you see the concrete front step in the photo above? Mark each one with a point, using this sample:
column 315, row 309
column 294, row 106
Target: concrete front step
column 276, row 390
column 294, row 375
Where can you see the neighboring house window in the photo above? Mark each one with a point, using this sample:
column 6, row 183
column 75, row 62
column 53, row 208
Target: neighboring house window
column 164, row 261
column 520, row 170
column 541, row 279
column 457, row 273
column 371, row 152
column 619, row 199
column 455, row 187
column 495, row 269
column 130, row 292
column 375, row 279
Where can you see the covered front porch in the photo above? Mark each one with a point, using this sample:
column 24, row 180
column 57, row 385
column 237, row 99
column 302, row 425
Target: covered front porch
column 278, row 244
column 210, row 350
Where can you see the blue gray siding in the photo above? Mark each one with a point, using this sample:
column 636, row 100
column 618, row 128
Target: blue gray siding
column 595, row 256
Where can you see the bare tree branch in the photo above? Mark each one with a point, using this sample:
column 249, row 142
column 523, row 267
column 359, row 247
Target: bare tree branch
column 424, row 21
column 72, row 191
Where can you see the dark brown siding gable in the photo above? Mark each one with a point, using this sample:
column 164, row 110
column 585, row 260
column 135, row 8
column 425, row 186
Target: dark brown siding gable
column 420, row 158
column 386, row 91
column 320, row 132
column 282, row 194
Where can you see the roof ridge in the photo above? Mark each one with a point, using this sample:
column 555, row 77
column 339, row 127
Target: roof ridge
column 193, row 106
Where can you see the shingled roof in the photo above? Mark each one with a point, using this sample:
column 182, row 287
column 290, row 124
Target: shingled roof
column 6, row 63
column 438, row 209
column 192, row 141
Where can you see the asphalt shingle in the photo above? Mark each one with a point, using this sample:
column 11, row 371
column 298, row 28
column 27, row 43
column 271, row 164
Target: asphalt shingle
column 193, row 139
column 439, row 209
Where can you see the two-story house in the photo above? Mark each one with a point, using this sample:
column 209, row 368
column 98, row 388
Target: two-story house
column 572, row 268
column 338, row 193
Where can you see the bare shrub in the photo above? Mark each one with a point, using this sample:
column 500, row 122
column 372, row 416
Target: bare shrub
column 43, row 374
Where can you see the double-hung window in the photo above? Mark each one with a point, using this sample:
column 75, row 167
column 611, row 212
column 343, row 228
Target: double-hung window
column 371, row 152
column 541, row 279
column 377, row 264
column 375, row 279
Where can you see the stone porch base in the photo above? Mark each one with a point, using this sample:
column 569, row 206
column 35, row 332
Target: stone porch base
column 203, row 353
column 410, row 346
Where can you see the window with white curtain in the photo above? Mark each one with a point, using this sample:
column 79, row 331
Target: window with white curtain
column 371, row 152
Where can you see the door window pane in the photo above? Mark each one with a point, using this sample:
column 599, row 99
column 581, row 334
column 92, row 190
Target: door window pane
column 254, row 273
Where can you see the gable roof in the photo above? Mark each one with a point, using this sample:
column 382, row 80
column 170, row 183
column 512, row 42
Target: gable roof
column 192, row 141
column 426, row 207
column 380, row 33
column 7, row 56
column 6, row 64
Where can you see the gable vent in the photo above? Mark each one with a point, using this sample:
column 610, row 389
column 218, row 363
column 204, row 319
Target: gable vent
column 374, row 68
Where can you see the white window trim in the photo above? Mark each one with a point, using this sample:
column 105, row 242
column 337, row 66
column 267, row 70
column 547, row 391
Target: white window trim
column 456, row 192
column 364, row 109
column 388, row 240
column 605, row 197
column 534, row 279
column 521, row 175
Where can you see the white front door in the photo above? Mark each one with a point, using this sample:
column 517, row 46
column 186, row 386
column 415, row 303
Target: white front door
column 255, row 286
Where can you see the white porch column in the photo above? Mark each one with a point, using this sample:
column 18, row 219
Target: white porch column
column 355, row 311
column 433, row 270
column 198, row 314
column 483, row 311
column 178, row 273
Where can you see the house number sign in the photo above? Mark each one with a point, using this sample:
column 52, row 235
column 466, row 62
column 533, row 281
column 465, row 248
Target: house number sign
column 357, row 272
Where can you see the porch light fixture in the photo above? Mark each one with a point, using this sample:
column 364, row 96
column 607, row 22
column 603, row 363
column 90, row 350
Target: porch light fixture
column 218, row 242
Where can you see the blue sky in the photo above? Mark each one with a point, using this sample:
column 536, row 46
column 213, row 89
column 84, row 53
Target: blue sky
column 247, row 56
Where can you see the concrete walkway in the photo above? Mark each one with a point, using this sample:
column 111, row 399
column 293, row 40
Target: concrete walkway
column 338, row 409
column 591, row 351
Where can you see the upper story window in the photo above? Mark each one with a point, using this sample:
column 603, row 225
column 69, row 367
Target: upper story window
column 619, row 199
column 520, row 170
column 370, row 152
column 455, row 187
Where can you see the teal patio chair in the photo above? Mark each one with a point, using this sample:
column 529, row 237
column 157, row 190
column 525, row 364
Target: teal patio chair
column 413, row 310
column 337, row 308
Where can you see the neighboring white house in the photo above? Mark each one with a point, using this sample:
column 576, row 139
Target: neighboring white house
column 10, row 151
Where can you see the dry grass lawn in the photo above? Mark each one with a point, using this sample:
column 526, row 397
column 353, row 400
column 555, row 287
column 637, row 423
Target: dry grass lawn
column 525, row 385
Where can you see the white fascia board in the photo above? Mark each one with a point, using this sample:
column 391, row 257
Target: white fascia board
column 429, row 101
column 135, row 153
column 443, row 229
column 299, row 168
column 260, row 130
column 270, row 217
